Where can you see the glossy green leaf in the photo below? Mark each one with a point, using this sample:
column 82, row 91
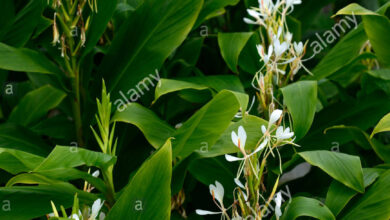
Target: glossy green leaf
column 231, row 45
column 19, row 138
column 374, row 204
column 217, row 83
column 224, row 145
column 382, row 126
column 155, row 130
column 25, row 60
column 16, row 161
column 207, row 124
column 345, row 168
column 302, row 206
column 213, row 8
column 355, row 9
column 36, row 104
column 69, row 157
column 339, row 195
column 301, row 101
column 148, row 194
column 161, row 27
column 29, row 202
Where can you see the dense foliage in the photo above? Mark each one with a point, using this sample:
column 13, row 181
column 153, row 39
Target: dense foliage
column 195, row 109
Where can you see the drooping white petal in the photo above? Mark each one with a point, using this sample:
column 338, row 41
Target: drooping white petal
column 217, row 191
column 96, row 173
column 74, row 217
column 249, row 21
column 261, row 146
column 298, row 47
column 278, row 202
column 235, row 138
column 280, row 48
column 263, row 129
column 97, row 205
column 205, row 212
column 254, row 14
column 238, row 182
column 275, row 116
column 232, row 158
column 242, row 136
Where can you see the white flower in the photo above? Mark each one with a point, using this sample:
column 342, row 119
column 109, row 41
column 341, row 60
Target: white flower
column 238, row 182
column 290, row 3
column 265, row 57
column 96, row 173
column 102, row 216
column 278, row 202
column 97, row 205
column 263, row 129
column 259, row 18
column 283, row 134
column 240, row 139
column 298, row 48
column 280, row 48
column 275, row 116
column 74, row 217
column 288, row 37
column 217, row 192
column 205, row 212
column 233, row 159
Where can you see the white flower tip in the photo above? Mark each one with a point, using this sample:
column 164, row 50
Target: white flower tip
column 205, row 212
column 275, row 116
column 96, row 173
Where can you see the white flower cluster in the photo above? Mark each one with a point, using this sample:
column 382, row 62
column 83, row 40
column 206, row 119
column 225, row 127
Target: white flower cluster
column 273, row 136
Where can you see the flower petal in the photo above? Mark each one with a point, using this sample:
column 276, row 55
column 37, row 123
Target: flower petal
column 242, row 136
column 205, row 212
column 275, row 116
column 235, row 138
column 232, row 158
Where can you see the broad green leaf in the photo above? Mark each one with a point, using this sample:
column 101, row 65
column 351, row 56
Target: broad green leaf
column 382, row 126
column 217, row 83
column 301, row 101
column 25, row 60
column 231, row 45
column 339, row 195
column 224, row 145
column 155, row 130
column 161, row 27
column 29, row 202
column 208, row 124
column 355, row 9
column 363, row 139
column 302, row 206
column 16, row 161
column 383, row 74
column 213, row 8
column 19, row 138
column 148, row 194
column 344, row 168
column 36, row 104
column 378, row 30
column 19, row 31
column 69, row 157
column 209, row 170
column 98, row 24
column 374, row 204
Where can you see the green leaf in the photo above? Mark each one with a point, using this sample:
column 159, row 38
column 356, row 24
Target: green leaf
column 382, row 126
column 29, row 202
column 217, row 83
column 25, row 60
column 19, row 31
column 345, row 168
column 35, row 105
column 213, row 8
column 161, row 27
column 19, row 138
column 69, row 157
column 301, row 100
column 16, row 161
column 207, row 124
column 302, row 206
column 355, row 9
column 224, row 145
column 148, row 194
column 98, row 24
column 231, row 45
column 155, row 130
column 374, row 203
